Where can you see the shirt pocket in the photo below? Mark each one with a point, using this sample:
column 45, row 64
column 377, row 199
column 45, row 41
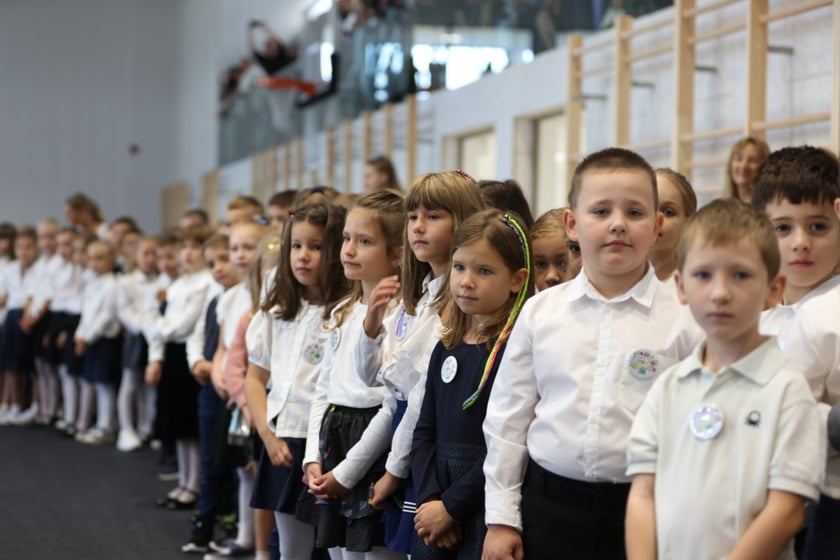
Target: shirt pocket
column 637, row 372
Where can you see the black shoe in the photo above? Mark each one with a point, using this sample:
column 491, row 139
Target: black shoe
column 200, row 540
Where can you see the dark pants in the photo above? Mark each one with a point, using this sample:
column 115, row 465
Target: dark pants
column 823, row 538
column 213, row 481
column 569, row 519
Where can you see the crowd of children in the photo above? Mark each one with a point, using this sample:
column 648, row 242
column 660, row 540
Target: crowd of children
column 374, row 376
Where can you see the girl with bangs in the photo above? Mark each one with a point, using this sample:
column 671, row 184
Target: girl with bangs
column 396, row 352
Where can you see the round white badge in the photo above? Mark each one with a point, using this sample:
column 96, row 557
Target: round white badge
column 642, row 364
column 449, row 369
column 313, row 352
column 402, row 325
column 335, row 339
column 706, row 422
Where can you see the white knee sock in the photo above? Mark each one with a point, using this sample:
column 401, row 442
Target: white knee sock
column 69, row 394
column 50, row 396
column 183, row 462
column 146, row 408
column 245, row 530
column 85, row 405
column 125, row 399
column 297, row 539
column 193, row 464
column 104, row 406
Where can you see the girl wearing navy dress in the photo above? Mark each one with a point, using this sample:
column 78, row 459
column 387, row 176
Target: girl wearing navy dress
column 286, row 344
column 97, row 341
column 349, row 429
column 488, row 280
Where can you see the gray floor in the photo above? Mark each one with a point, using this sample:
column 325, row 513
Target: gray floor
column 61, row 499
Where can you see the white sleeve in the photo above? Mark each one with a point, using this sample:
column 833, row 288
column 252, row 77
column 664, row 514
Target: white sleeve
column 320, row 403
column 195, row 342
column 510, row 411
column 814, row 351
column 173, row 326
column 374, row 442
column 258, row 340
column 399, row 459
column 129, row 311
column 643, row 443
column 375, row 356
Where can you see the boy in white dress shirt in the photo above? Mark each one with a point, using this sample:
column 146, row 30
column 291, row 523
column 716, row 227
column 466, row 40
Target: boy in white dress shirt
column 796, row 188
column 578, row 364
column 728, row 445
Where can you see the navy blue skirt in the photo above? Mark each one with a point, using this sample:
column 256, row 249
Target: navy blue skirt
column 100, row 364
column 177, row 401
column 399, row 515
column 16, row 350
column 39, row 349
column 281, row 488
column 70, row 322
column 135, row 351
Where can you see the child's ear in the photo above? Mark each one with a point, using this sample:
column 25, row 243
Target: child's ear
column 570, row 223
column 680, row 287
column 660, row 219
column 518, row 280
column 837, row 207
column 776, row 291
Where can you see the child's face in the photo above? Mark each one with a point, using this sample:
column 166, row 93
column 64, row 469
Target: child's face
column 615, row 223
column 672, row 207
column 218, row 261
column 79, row 253
column 809, row 241
column 364, row 251
column 146, row 256
column 244, row 240
column 99, row 259
column 305, row 256
column 430, row 236
column 26, row 250
column 233, row 216
column 727, row 287
column 551, row 260
column 744, row 170
column 190, row 256
column 278, row 216
column 64, row 246
column 480, row 281
column 167, row 260
column 47, row 238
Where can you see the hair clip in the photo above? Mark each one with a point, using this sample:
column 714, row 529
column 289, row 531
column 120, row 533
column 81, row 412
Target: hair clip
column 291, row 212
column 260, row 220
column 316, row 190
column 463, row 173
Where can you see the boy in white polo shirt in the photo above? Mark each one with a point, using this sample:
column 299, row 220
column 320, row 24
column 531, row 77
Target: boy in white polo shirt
column 728, row 445
column 577, row 365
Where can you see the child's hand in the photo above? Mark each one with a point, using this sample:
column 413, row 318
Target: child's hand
column 450, row 539
column 383, row 489
column 277, row 451
column 80, row 347
column 502, row 543
column 380, row 297
column 201, row 371
column 326, row 486
column 61, row 339
column 312, row 471
column 161, row 295
column 153, row 373
column 432, row 522
column 26, row 323
column 3, row 300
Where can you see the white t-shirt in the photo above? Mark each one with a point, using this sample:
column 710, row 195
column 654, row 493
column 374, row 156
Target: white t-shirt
column 709, row 491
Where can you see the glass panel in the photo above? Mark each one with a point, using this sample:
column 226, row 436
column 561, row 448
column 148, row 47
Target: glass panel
column 478, row 155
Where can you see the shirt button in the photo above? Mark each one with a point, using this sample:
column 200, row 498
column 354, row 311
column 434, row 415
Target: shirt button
column 603, row 361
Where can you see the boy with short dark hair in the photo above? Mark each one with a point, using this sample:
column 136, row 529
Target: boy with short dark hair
column 279, row 206
column 578, row 363
column 731, row 435
column 796, row 188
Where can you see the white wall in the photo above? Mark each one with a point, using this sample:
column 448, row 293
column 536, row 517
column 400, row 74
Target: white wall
column 81, row 82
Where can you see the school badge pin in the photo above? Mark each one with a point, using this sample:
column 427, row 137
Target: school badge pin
column 642, row 364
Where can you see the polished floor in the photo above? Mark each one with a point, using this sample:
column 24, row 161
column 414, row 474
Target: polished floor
column 64, row 500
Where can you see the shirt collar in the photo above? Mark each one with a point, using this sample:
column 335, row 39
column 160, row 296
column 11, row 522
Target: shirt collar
column 759, row 365
column 642, row 291
column 826, row 286
column 432, row 285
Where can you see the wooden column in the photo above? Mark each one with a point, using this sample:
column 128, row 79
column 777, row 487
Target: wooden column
column 411, row 139
column 388, row 143
column 210, row 195
column 622, row 84
column 574, row 106
column 684, row 61
column 756, row 50
column 330, row 179
column 367, row 135
column 347, row 159
column 835, row 81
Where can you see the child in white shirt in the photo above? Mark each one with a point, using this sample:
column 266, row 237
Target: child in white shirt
column 578, row 363
column 728, row 445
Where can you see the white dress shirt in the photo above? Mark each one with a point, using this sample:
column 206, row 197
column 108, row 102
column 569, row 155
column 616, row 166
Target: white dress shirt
column 573, row 375
column 774, row 319
column 399, row 357
column 44, row 269
column 195, row 342
column 99, row 310
column 293, row 352
column 771, row 438
column 184, row 302
column 137, row 304
column 811, row 340
column 17, row 285
column 339, row 384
